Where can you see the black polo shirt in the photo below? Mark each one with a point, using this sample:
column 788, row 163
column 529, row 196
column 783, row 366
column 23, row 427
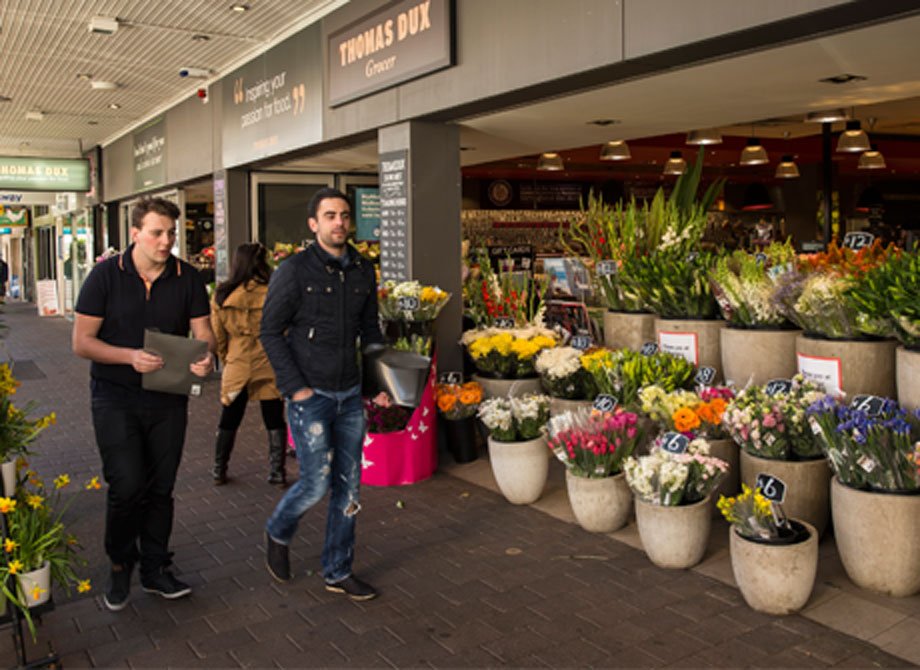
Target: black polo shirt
column 116, row 292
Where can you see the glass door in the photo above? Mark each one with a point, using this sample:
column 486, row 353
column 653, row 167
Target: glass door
column 279, row 206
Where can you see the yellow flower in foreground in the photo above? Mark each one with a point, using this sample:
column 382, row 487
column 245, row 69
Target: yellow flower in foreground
column 61, row 481
column 7, row 505
column 93, row 484
column 34, row 501
column 83, row 586
column 15, row 566
column 9, row 545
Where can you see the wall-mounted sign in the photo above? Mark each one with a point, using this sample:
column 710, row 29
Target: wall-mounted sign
column 394, row 215
column 274, row 103
column 149, row 155
column 44, row 174
column 221, row 244
column 27, row 198
column 13, row 216
column 367, row 213
column 94, row 156
column 402, row 41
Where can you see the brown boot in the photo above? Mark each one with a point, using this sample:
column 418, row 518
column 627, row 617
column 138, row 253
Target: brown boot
column 225, row 440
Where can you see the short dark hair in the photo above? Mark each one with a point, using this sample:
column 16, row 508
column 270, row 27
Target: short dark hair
column 159, row 206
column 322, row 194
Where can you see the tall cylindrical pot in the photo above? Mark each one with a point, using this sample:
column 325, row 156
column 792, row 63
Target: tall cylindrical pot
column 461, row 439
column 674, row 537
column 807, row 484
column 493, row 387
column 697, row 340
column 558, row 406
column 878, row 538
column 755, row 356
column 775, row 578
column 600, row 505
column 8, row 472
column 628, row 330
column 726, row 450
column 36, row 584
column 520, row 468
column 907, row 366
column 855, row 367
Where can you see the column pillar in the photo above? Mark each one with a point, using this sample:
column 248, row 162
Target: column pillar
column 231, row 218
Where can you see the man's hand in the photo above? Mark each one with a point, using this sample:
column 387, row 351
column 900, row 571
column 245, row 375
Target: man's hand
column 382, row 399
column 203, row 366
column 302, row 394
column 143, row 361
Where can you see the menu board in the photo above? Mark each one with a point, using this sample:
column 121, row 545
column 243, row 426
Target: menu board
column 394, row 215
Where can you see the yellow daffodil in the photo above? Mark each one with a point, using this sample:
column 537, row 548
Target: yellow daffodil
column 61, row 481
column 15, row 567
column 34, row 501
column 93, row 484
column 7, row 505
column 10, row 544
column 83, row 586
column 37, row 591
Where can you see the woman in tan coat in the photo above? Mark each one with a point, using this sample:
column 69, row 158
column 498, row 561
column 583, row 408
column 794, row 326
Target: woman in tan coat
column 236, row 312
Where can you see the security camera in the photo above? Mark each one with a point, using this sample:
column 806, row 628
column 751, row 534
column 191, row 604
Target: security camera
column 194, row 72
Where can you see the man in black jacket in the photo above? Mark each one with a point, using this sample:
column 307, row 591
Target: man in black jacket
column 319, row 303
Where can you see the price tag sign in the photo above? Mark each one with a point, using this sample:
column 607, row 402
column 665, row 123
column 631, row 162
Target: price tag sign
column 674, row 443
column 857, row 240
column 504, row 322
column 760, row 258
column 450, row 377
column 870, row 404
column 775, row 386
column 692, row 256
column 408, row 303
column 772, row 488
column 605, row 403
column 606, row 268
column 581, row 342
column 649, row 349
column 705, row 375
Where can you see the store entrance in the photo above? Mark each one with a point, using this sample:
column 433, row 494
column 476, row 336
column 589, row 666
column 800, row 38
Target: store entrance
column 279, row 206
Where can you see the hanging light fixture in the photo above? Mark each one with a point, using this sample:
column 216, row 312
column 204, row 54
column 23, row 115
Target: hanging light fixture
column 676, row 164
column 853, row 139
column 787, row 169
column 827, row 116
column 550, row 161
column 754, row 153
column 615, row 150
column 708, row 136
column 872, row 159
column 756, row 197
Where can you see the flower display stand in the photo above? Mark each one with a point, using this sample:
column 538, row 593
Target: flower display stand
column 755, row 356
column 406, row 456
column 628, row 330
column 907, row 367
column 855, row 367
column 494, row 387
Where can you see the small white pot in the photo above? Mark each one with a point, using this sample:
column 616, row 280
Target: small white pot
column 674, row 537
column 520, row 468
column 600, row 505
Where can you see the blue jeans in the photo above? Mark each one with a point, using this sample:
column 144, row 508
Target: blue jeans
column 328, row 431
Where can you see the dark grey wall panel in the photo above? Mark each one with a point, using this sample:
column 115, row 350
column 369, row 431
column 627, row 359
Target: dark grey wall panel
column 118, row 168
column 189, row 140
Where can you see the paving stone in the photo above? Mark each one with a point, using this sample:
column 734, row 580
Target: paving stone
column 672, row 645
column 116, row 654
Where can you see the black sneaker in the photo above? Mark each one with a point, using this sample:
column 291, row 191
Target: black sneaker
column 165, row 584
column 277, row 560
column 117, row 587
column 352, row 587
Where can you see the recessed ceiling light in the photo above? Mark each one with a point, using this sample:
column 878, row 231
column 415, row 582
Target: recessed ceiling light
column 93, row 123
column 239, row 7
column 467, row 148
column 99, row 85
column 83, row 76
column 4, row 98
column 114, row 105
column 842, row 79
column 604, row 122
column 35, row 115
column 198, row 37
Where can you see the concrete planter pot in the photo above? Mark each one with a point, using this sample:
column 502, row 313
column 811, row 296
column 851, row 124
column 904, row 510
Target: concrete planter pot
column 728, row 451
column 807, row 486
column 8, row 473
column 506, row 388
column 628, row 330
column 774, row 578
column 520, row 468
column 36, row 585
column 907, row 370
column 878, row 538
column 704, row 348
column 773, row 355
column 674, row 537
column 600, row 505
column 858, row 367
column 558, row 406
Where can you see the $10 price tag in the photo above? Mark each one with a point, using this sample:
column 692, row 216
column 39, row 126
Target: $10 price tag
column 504, row 322
column 451, row 377
column 605, row 403
column 408, row 303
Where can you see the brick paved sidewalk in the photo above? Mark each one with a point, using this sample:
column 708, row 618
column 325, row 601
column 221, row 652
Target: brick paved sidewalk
column 466, row 579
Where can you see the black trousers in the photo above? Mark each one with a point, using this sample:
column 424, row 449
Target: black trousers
column 141, row 448
column 231, row 416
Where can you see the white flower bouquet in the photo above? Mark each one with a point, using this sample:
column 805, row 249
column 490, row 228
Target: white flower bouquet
column 663, row 478
column 563, row 375
column 515, row 419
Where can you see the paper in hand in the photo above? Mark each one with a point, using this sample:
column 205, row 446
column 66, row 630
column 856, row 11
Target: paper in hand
column 178, row 353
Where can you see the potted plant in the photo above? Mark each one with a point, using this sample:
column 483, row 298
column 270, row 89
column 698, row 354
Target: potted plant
column 744, row 284
column 505, row 358
column 517, row 444
column 408, row 310
column 774, row 562
column 672, row 493
column 17, row 430
column 770, row 424
column 564, row 378
column 622, row 373
column 874, row 450
column 593, row 446
column 39, row 551
column 457, row 405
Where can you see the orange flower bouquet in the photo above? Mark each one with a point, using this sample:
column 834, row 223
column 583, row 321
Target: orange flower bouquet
column 693, row 414
column 458, row 401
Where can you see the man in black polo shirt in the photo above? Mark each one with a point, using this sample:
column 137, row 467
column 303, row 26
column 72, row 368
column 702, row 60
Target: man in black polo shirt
column 140, row 433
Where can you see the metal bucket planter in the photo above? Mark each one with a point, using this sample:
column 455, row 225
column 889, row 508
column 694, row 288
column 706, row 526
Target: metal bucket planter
column 698, row 340
column 728, row 451
column 807, row 484
column 856, row 367
column 755, row 356
column 907, row 366
column 674, row 537
column 520, row 468
column 878, row 538
column 628, row 330
column 493, row 387
column 601, row 505
column 775, row 578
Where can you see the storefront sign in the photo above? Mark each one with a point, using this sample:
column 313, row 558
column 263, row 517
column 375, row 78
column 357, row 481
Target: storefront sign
column 679, row 344
column 149, row 156
column 14, row 216
column 823, row 371
column 44, row 174
column 94, row 156
column 394, row 215
column 367, row 214
column 402, row 41
column 26, row 198
column 274, row 103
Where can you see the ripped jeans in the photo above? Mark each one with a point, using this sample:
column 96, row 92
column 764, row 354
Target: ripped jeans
column 328, row 431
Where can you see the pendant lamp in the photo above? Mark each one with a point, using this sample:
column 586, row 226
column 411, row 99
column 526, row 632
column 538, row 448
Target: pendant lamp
column 872, row 160
column 676, row 164
column 853, row 139
column 754, row 153
column 827, row 116
column 615, row 150
column 709, row 136
column 787, row 169
column 550, row 161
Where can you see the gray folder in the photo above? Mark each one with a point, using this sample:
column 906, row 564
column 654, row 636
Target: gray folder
column 177, row 353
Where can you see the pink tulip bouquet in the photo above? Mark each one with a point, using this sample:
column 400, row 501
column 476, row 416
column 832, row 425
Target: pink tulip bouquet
column 594, row 444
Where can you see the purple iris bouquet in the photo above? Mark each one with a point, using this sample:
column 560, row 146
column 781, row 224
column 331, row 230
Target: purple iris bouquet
column 869, row 446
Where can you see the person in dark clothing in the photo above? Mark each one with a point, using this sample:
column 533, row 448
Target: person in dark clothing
column 319, row 303
column 4, row 277
column 140, row 433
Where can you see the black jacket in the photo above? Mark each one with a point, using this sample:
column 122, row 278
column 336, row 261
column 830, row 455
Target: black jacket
column 313, row 314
